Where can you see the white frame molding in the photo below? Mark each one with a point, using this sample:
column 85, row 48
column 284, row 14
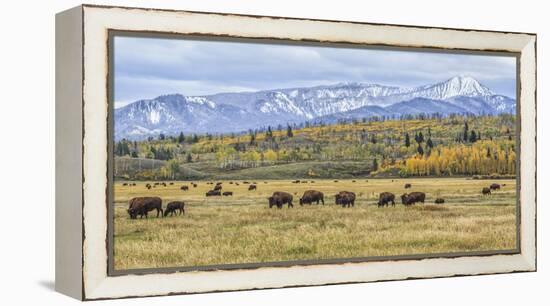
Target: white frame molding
column 88, row 244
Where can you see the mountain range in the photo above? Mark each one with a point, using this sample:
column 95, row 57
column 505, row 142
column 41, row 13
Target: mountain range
column 236, row 112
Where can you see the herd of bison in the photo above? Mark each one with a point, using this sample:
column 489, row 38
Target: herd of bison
column 141, row 206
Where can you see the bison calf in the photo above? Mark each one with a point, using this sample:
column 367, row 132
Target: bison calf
column 175, row 208
column 439, row 201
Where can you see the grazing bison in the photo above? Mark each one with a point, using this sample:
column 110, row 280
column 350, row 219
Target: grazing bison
column 124, row 184
column 142, row 205
column 171, row 183
column 148, row 186
column 407, row 186
column 385, row 198
column 175, row 208
column 245, row 182
column 252, row 187
column 228, row 193
column 231, row 183
column 184, row 187
column 237, row 184
column 353, row 181
column 495, row 186
column 413, row 197
column 311, row 196
column 213, row 193
column 296, row 181
column 486, row 191
column 439, row 201
column 218, row 187
column 345, row 198
column 194, row 185
column 280, row 198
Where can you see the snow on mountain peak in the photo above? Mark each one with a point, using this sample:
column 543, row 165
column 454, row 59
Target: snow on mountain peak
column 462, row 86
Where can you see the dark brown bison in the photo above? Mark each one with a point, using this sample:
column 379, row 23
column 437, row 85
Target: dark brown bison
column 495, row 186
column 486, row 191
column 252, row 187
column 184, row 187
column 439, row 201
column 175, row 208
column 245, row 182
column 148, row 186
column 311, row 196
column 345, row 198
column 213, row 193
column 296, row 182
column 385, row 198
column 237, row 184
column 171, row 183
column 143, row 205
column 218, row 183
column 353, row 181
column 231, row 183
column 218, row 187
column 280, row 198
column 228, row 193
column 407, row 186
column 124, row 184
column 194, row 185
column 413, row 197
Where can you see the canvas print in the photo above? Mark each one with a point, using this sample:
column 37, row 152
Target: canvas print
column 234, row 152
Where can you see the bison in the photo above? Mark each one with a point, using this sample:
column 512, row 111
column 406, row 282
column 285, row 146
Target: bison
column 194, row 185
column 280, row 198
column 184, row 187
column 345, row 198
column 218, row 187
column 252, row 187
column 413, row 197
column 142, row 205
column 495, row 186
column 385, row 198
column 175, row 208
column 407, row 186
column 213, row 193
column 228, row 193
column 439, row 201
column 311, row 196
column 486, row 191
column 148, row 186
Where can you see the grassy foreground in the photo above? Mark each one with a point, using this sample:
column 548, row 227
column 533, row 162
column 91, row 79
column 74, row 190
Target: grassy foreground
column 242, row 229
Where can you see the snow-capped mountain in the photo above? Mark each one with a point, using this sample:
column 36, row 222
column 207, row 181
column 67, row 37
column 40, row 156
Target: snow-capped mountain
column 234, row 112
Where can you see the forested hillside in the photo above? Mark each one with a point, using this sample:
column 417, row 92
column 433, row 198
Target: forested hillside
column 411, row 146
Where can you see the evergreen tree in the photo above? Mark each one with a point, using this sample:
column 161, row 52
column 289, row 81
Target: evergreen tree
column 473, row 137
column 189, row 158
column 374, row 165
column 181, row 138
column 161, row 136
column 429, row 143
column 407, row 140
column 373, row 138
column 420, row 150
column 465, row 137
column 420, row 137
column 289, row 132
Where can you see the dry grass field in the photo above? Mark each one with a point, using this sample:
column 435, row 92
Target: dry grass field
column 242, row 229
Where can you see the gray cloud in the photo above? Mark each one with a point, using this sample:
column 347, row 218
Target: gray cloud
column 148, row 67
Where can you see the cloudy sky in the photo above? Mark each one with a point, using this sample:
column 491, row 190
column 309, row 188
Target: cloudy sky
column 148, row 67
